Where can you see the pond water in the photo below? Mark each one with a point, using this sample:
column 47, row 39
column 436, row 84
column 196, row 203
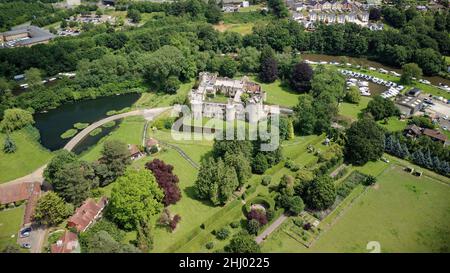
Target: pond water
column 435, row 80
column 56, row 121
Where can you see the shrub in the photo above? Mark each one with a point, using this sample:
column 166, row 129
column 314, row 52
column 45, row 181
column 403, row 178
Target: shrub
column 307, row 226
column 370, row 180
column 298, row 222
column 222, row 233
column 266, row 180
column 253, row 226
column 235, row 224
column 270, row 214
column 174, row 222
column 258, row 215
column 209, row 245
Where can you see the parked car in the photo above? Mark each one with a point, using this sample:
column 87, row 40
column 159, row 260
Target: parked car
column 26, row 245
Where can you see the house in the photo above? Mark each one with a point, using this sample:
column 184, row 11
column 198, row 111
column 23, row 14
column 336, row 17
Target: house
column 408, row 106
column 296, row 16
column 336, row 5
column 245, row 4
column 364, row 17
column 19, row 192
column 351, row 17
column 152, row 144
column 412, row 131
column 135, row 152
column 87, row 214
column 25, row 36
column 314, row 5
column 340, row 18
column 331, row 18
column 321, row 17
column 435, row 135
column 312, row 16
column 326, row 5
column 346, row 5
column 67, row 243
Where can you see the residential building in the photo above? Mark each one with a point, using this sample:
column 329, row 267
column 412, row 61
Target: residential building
column 364, row 17
column 67, row 243
column 19, row 192
column 87, row 214
column 435, row 135
column 135, row 152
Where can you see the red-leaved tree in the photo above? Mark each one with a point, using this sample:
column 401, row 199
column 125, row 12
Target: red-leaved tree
column 258, row 215
column 166, row 180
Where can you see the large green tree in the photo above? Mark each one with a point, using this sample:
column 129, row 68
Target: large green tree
column 115, row 158
column 320, row 193
column 242, row 243
column 135, row 197
column 15, row 119
column 410, row 71
column 51, row 210
column 365, row 141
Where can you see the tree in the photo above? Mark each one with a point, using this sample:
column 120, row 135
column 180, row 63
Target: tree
column 51, row 210
column 353, row 95
column 33, row 77
column 15, row 119
column 11, row 248
column 429, row 60
column 103, row 242
column 374, row 14
column 74, row 181
column 300, row 79
column 296, row 205
column 242, row 243
column 320, row 193
column 381, row 108
column 213, row 14
column 278, row 8
column 215, row 181
column 144, row 237
column 228, row 67
column 365, row 141
column 9, row 146
column 240, row 164
column 249, row 60
column 115, row 158
column 62, row 158
column 260, row 164
column 304, row 114
column 135, row 197
column 259, row 215
column 269, row 66
column 253, row 226
column 410, row 70
column 134, row 15
column 166, row 180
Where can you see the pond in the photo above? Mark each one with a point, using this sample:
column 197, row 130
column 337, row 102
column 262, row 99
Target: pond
column 435, row 80
column 56, row 121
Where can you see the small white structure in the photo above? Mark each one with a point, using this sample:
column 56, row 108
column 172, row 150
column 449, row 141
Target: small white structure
column 245, row 4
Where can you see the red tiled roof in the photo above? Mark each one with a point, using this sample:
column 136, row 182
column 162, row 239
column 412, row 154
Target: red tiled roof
column 17, row 192
column 31, row 204
column 66, row 244
column 435, row 134
column 133, row 149
column 86, row 214
column 151, row 142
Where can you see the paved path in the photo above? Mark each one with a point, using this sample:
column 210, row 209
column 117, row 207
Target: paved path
column 271, row 228
column 182, row 153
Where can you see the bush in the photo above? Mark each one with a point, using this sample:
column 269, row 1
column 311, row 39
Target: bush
column 222, row 233
column 298, row 222
column 266, row 180
column 258, row 215
column 253, row 226
column 235, row 224
column 209, row 245
column 270, row 214
column 370, row 180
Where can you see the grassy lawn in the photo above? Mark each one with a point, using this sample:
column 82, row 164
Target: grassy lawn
column 29, row 156
column 403, row 212
column 130, row 131
column 10, row 222
column 153, row 99
column 241, row 28
column 277, row 93
column 352, row 110
column 394, row 124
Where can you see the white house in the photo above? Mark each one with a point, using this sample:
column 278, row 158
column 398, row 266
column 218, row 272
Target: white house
column 364, row 16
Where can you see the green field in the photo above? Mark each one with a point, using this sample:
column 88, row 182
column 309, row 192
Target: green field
column 29, row 156
column 10, row 222
column 278, row 94
column 129, row 131
column 394, row 124
column 352, row 110
column 402, row 212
